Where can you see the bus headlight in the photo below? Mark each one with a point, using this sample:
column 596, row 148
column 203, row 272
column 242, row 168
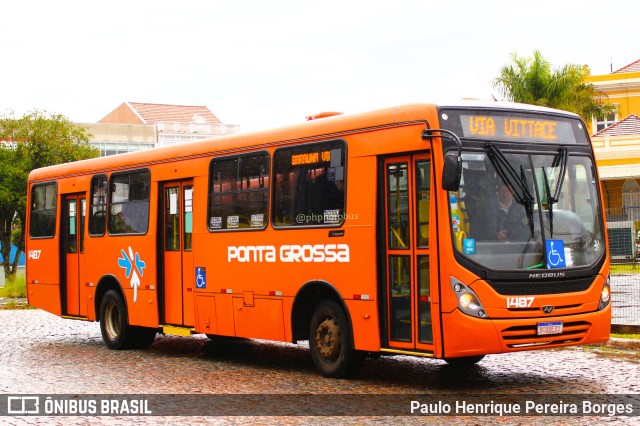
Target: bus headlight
column 468, row 302
column 605, row 296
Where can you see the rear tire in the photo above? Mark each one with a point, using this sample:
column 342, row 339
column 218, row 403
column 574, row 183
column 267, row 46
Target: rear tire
column 331, row 342
column 114, row 325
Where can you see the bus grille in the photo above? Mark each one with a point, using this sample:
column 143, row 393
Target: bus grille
column 554, row 287
column 527, row 336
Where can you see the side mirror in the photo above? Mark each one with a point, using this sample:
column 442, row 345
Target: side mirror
column 452, row 172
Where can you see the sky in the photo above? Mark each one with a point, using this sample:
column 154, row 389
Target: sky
column 265, row 64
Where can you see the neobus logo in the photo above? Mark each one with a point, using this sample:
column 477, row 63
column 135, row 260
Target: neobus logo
column 547, row 275
column 317, row 253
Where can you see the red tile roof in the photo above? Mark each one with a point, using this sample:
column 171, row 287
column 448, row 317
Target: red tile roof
column 154, row 113
column 632, row 67
column 625, row 127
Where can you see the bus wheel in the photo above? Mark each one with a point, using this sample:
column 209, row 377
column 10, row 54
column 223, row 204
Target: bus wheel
column 464, row 361
column 331, row 343
column 144, row 337
column 115, row 328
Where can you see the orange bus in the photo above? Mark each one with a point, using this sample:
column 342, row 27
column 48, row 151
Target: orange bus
column 448, row 231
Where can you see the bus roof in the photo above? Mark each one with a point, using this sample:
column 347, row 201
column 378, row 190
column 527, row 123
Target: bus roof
column 330, row 126
column 512, row 106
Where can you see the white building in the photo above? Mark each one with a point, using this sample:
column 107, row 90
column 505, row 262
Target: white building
column 135, row 126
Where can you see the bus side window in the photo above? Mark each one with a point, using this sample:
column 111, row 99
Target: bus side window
column 239, row 192
column 98, row 205
column 42, row 221
column 310, row 185
column 129, row 203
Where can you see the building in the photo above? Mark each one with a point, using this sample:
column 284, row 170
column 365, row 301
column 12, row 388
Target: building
column 135, row 126
column 616, row 141
column 623, row 89
column 113, row 139
column 174, row 124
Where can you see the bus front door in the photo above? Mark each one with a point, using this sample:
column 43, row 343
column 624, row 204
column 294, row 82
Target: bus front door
column 179, row 275
column 407, row 196
column 73, row 291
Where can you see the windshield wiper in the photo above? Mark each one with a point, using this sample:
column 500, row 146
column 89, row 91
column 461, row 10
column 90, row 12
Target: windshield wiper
column 517, row 184
column 550, row 200
column 561, row 161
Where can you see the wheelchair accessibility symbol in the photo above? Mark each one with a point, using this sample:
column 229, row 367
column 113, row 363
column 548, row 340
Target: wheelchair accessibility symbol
column 201, row 277
column 555, row 254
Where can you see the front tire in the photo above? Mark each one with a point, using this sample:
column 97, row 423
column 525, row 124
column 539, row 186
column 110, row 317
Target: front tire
column 331, row 342
column 465, row 361
column 114, row 325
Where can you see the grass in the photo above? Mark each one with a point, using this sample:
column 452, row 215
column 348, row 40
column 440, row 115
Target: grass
column 626, row 336
column 14, row 289
column 624, row 268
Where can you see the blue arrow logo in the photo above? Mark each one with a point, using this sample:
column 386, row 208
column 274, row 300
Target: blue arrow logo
column 140, row 264
column 127, row 263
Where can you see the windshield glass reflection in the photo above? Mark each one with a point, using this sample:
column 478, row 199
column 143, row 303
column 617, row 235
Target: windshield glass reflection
column 527, row 211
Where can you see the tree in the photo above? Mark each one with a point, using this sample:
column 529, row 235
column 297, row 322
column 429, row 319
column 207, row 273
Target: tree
column 30, row 142
column 533, row 81
column 12, row 186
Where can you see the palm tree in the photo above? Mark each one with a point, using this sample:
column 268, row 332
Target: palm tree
column 533, row 81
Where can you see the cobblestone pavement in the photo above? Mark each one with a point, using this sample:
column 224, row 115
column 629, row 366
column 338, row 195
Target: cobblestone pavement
column 43, row 354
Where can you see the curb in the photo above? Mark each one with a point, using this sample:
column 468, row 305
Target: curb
column 10, row 300
column 618, row 343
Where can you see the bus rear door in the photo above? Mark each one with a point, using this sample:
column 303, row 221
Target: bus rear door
column 407, row 193
column 74, row 263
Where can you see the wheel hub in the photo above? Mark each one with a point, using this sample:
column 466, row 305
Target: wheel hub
column 329, row 339
column 112, row 321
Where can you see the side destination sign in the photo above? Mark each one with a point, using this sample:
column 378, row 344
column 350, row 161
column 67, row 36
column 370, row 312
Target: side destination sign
column 308, row 253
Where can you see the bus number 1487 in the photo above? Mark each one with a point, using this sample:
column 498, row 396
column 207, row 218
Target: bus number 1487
column 519, row 302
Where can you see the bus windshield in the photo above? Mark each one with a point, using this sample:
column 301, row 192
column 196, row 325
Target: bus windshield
column 518, row 211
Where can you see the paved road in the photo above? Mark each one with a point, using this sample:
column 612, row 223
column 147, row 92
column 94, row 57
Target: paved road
column 42, row 354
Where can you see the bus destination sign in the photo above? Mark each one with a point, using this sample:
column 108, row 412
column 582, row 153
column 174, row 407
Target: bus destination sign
column 517, row 128
column 313, row 157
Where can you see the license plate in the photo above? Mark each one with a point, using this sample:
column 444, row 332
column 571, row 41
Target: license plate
column 549, row 328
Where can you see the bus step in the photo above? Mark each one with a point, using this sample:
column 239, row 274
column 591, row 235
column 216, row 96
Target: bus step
column 177, row 331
